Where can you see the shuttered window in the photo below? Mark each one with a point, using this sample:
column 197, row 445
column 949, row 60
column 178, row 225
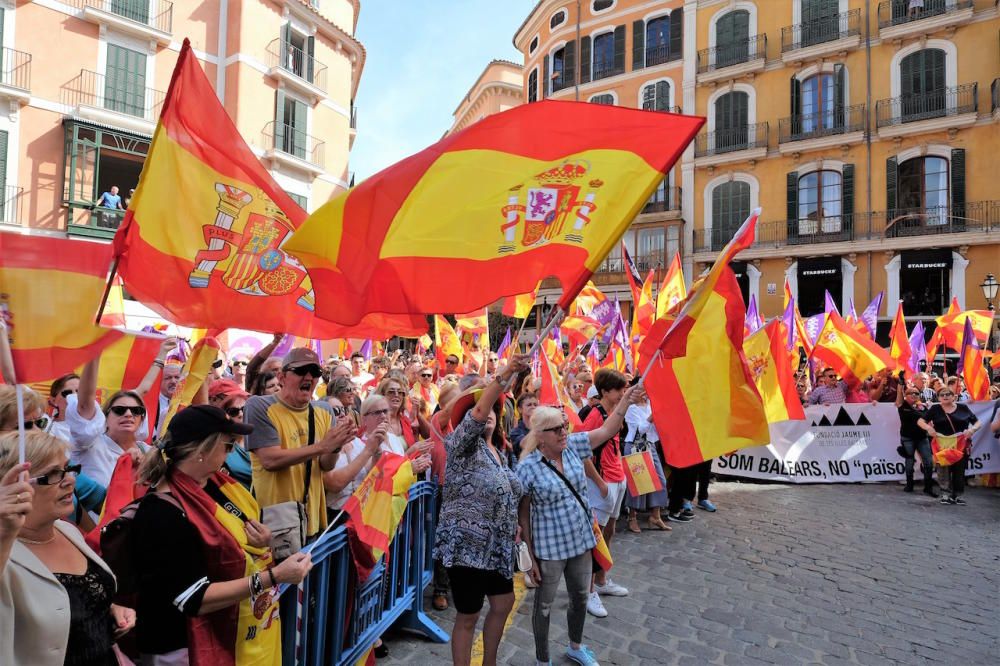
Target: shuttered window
column 922, row 186
column 730, row 207
column 657, row 40
column 533, row 86
column 604, row 56
column 603, row 98
column 732, row 38
column 922, row 85
column 656, row 96
column 731, row 127
column 820, row 203
column 817, row 100
column 125, row 81
column 290, row 125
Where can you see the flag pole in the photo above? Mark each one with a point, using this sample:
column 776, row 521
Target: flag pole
column 554, row 318
column 107, row 292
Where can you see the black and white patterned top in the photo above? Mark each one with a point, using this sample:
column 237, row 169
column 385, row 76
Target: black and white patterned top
column 479, row 505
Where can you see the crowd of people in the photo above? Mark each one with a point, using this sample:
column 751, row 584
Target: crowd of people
column 273, row 447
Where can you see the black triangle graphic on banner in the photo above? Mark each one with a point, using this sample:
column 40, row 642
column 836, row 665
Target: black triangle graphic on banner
column 863, row 420
column 824, row 421
column 843, row 419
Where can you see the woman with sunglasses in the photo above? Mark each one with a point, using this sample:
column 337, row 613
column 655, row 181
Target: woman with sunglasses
column 912, row 437
column 949, row 417
column 425, row 389
column 124, row 414
column 555, row 517
column 34, row 409
column 404, row 430
column 55, row 592
column 230, row 398
column 207, row 583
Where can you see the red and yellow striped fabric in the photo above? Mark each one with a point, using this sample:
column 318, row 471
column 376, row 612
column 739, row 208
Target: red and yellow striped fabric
column 644, row 315
column 588, row 299
column 899, row 345
column 951, row 327
column 446, row 342
column 538, row 190
column 640, row 475
column 212, row 221
column 673, row 290
column 771, row 369
column 704, row 399
column 601, row 552
column 50, row 290
column 196, row 368
column 519, row 305
column 553, row 392
column 854, row 356
column 375, row 508
column 580, row 329
column 977, row 380
column 473, row 322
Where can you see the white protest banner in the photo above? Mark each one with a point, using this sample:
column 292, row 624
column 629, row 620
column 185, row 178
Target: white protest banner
column 848, row 443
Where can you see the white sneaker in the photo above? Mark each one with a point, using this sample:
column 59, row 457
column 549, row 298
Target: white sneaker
column 611, row 589
column 595, row 607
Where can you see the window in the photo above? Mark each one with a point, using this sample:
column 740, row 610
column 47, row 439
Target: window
column 533, row 46
column 922, row 85
column 297, row 51
column 657, row 40
column 604, row 56
column 558, row 19
column 816, row 103
column 732, row 38
column 562, row 72
column 603, row 98
column 601, row 5
column 297, row 198
column 923, row 189
column 673, row 242
column 731, row 126
column 649, row 249
column 730, row 207
column 125, row 81
column 136, row 10
column 820, row 21
column 290, row 126
column 820, row 198
column 925, row 281
column 533, row 86
column 656, row 96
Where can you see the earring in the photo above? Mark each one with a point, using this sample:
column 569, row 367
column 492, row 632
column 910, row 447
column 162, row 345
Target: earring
column 201, row 459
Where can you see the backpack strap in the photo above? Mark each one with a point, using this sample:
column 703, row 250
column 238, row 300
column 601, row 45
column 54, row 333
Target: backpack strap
column 309, row 442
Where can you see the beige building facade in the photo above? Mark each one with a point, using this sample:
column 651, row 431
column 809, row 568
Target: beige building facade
column 498, row 88
column 83, row 82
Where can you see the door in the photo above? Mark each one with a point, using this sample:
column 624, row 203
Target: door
column 125, row 81
column 731, row 132
column 730, row 207
column 136, row 10
column 732, row 38
column 294, row 139
column 820, row 21
column 922, row 85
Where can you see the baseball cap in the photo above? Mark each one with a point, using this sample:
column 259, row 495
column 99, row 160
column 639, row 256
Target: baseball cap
column 197, row 422
column 298, row 357
column 592, row 392
column 225, row 388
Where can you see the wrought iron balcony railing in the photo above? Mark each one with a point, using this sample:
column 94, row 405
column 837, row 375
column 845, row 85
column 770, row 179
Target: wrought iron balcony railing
column 820, row 30
column 114, row 94
column 823, row 123
column 15, row 69
column 290, row 58
column 995, row 96
column 287, row 139
column 735, row 53
column 10, row 207
column 722, row 141
column 657, row 55
column 898, row 12
column 157, row 14
column 925, row 106
column 663, row 199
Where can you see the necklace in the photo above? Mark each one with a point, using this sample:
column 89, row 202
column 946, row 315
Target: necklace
column 32, row 542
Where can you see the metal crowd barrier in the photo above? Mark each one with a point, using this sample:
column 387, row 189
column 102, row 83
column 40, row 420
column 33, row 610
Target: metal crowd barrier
column 331, row 620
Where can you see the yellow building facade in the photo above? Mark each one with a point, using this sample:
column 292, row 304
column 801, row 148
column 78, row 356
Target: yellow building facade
column 83, row 82
column 866, row 130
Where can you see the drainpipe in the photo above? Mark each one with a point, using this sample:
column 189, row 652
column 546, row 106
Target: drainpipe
column 220, row 50
column 579, row 56
column 868, row 132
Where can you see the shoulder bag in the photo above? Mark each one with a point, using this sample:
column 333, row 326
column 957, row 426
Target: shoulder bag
column 600, row 551
column 288, row 521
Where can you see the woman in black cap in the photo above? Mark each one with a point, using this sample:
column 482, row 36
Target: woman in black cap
column 207, row 590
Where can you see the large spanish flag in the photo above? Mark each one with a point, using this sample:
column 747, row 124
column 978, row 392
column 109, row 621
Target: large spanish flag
column 899, row 345
column 951, row 328
column 673, row 290
column 541, row 189
column 854, row 356
column 771, row 369
column 375, row 508
column 201, row 243
column 703, row 395
column 50, row 291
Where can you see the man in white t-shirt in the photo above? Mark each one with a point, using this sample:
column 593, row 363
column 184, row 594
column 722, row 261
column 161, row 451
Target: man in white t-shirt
column 168, row 386
column 359, row 376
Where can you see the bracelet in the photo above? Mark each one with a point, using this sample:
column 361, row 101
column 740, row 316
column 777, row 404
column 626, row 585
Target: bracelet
column 270, row 575
column 256, row 586
column 158, row 363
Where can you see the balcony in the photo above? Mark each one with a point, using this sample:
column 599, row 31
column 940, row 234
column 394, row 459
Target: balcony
column 657, row 55
column 113, row 102
column 297, row 69
column 15, row 75
column 602, row 70
column 821, row 37
column 292, row 147
column 816, row 131
column 643, row 263
column 731, row 145
column 896, row 21
column 10, row 206
column 904, row 228
column 927, row 112
column 148, row 19
column 731, row 61
column 664, row 204
column 94, row 222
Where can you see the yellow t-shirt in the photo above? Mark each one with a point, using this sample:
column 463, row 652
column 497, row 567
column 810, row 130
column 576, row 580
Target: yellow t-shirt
column 276, row 424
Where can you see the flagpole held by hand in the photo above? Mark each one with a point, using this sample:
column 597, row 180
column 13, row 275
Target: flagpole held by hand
column 554, row 318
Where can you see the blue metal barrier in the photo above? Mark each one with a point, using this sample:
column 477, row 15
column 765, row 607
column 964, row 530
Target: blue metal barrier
column 331, row 620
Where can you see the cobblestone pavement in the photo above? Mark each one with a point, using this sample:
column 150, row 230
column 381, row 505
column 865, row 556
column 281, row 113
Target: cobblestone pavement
column 831, row 574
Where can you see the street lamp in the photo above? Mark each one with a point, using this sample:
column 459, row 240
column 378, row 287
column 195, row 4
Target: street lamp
column 990, row 286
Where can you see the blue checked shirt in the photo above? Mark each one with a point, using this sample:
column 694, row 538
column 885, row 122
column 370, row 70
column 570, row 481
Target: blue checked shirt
column 560, row 529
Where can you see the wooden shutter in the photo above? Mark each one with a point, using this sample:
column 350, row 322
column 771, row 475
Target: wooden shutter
column 662, row 96
column 638, row 44
column 279, row 119
column 792, row 201
column 891, row 180
column 286, row 39
column 796, row 106
column 847, row 196
column 839, row 81
column 569, row 65
column 648, row 97
column 958, row 185
column 619, row 49
column 584, row 59
column 546, row 79
column 676, row 33
column 310, row 55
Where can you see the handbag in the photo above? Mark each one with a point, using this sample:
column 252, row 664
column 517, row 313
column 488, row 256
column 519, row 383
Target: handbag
column 600, row 551
column 288, row 521
column 522, row 557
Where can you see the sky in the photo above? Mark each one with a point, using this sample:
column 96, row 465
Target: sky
column 422, row 58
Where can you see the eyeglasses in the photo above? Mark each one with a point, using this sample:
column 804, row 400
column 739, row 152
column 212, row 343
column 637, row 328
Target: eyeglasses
column 830, row 376
column 234, row 411
column 427, row 375
column 122, row 410
column 65, row 393
column 217, row 364
column 56, row 476
column 230, row 445
column 377, row 412
column 40, row 423
column 243, row 363
column 558, row 430
column 946, row 394
column 338, row 411
column 912, row 393
column 395, row 392
column 450, row 362
column 312, row 370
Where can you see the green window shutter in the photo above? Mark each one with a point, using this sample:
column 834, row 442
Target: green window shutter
column 676, row 33
column 958, row 185
column 662, row 102
column 3, row 175
column 619, row 49
column 279, row 119
column 299, row 123
column 792, row 201
column 569, row 65
column 796, row 105
column 891, row 179
column 546, row 79
column 839, row 81
column 584, row 59
column 847, row 196
column 1, row 27
column 310, row 55
column 638, row 44
column 286, row 37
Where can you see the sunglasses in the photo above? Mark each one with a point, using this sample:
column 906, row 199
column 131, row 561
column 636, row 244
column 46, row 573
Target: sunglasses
column 427, row 375
column 395, row 392
column 65, row 393
column 234, row 411
column 312, row 370
column 449, row 362
column 377, row 412
column 339, row 411
column 217, row 364
column 946, row 394
column 120, row 410
column 56, row 476
column 39, row 423
column 242, row 363
column 558, row 430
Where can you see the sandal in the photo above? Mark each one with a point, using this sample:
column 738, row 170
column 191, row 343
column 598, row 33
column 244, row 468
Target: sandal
column 633, row 525
column 658, row 524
